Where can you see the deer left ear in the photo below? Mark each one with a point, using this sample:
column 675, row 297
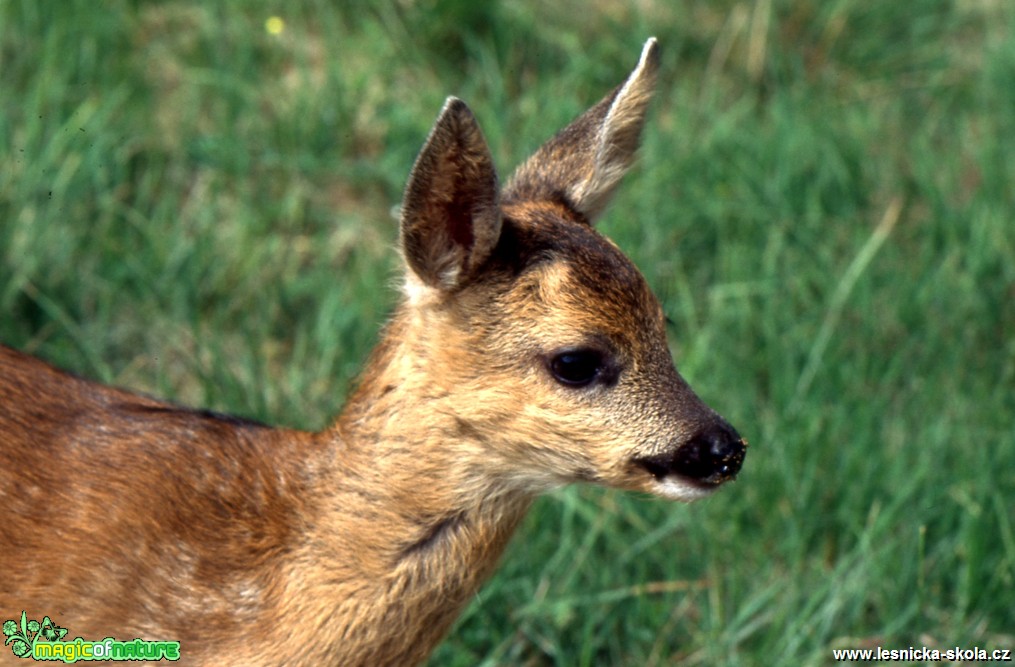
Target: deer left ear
column 584, row 163
column 451, row 218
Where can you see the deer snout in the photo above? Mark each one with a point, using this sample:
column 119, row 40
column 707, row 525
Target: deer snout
column 713, row 456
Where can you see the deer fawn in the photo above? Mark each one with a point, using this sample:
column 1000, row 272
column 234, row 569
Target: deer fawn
column 526, row 353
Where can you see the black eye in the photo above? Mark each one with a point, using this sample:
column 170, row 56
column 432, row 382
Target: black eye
column 576, row 368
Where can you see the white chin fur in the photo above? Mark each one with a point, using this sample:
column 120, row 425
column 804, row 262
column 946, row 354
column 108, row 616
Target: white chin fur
column 673, row 488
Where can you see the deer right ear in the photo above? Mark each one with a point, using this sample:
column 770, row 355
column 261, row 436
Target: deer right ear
column 584, row 163
column 451, row 219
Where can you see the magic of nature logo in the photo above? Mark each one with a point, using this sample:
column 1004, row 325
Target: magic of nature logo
column 45, row 640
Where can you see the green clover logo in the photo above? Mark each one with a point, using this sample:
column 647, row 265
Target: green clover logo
column 24, row 636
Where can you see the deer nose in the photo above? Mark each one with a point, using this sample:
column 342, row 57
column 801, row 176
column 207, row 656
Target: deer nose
column 713, row 456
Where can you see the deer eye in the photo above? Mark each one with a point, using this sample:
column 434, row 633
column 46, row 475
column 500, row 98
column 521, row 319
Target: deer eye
column 576, row 368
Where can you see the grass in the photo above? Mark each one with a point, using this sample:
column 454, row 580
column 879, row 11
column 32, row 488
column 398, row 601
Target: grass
column 193, row 206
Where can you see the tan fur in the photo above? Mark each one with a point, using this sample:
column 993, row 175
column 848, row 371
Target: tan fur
column 126, row 517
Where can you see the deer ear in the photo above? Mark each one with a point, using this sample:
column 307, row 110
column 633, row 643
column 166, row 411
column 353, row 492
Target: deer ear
column 451, row 219
column 585, row 161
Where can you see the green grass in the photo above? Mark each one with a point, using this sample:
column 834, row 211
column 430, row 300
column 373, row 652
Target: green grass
column 196, row 208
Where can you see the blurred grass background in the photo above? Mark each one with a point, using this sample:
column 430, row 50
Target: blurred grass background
column 196, row 202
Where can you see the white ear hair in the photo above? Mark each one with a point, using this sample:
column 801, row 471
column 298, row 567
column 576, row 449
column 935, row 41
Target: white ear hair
column 619, row 135
column 585, row 161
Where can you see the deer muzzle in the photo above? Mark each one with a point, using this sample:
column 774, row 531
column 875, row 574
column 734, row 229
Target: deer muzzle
column 712, row 456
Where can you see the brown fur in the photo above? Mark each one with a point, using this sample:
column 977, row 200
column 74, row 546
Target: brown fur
column 128, row 517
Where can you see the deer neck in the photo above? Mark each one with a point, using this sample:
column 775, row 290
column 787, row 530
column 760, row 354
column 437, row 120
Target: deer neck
column 409, row 447
column 406, row 504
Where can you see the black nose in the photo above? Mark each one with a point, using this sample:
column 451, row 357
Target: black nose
column 713, row 456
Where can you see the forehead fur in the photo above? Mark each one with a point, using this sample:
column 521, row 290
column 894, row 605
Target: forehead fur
column 581, row 269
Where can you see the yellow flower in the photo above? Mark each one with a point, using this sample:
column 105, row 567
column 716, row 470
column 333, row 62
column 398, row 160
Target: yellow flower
column 274, row 25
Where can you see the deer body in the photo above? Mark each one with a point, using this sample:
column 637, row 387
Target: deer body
column 527, row 353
